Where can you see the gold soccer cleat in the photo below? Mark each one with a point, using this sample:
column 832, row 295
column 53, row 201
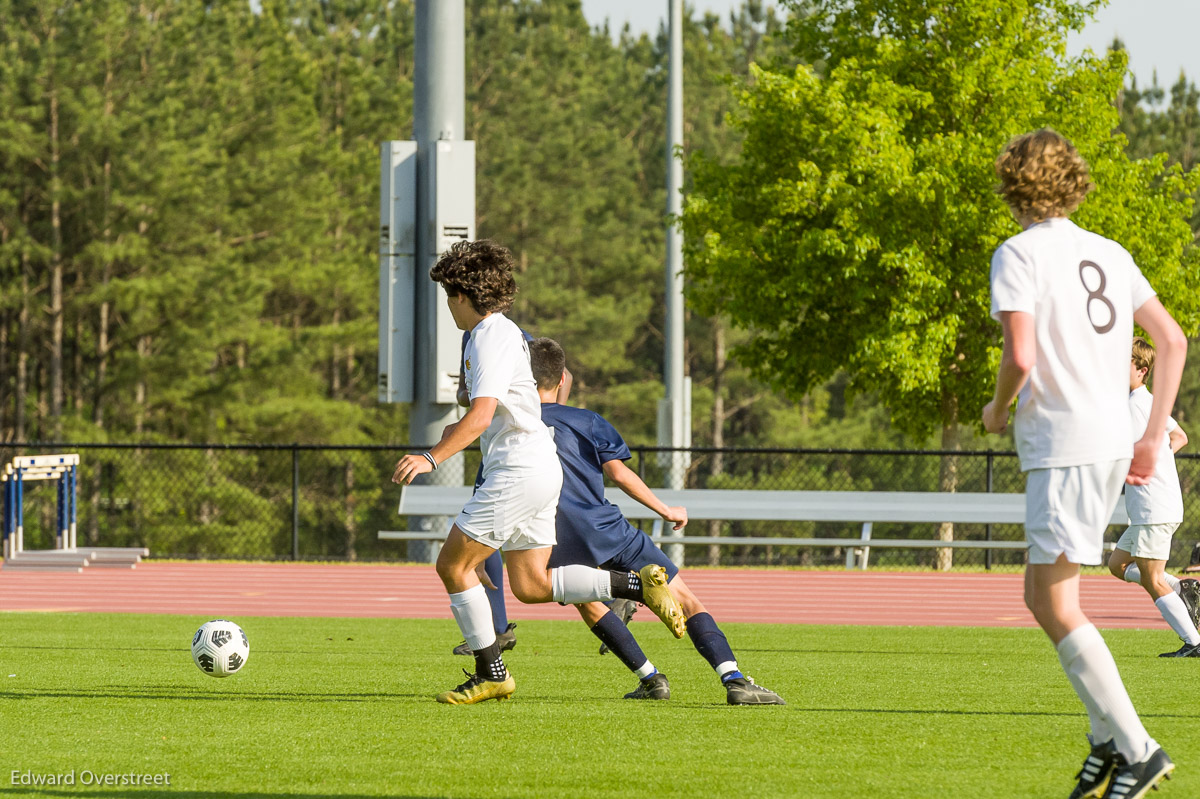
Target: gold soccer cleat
column 476, row 690
column 657, row 596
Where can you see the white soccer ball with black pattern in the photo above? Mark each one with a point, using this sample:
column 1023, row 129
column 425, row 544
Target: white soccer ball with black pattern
column 220, row 648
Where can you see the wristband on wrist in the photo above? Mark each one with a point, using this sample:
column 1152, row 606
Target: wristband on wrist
column 429, row 458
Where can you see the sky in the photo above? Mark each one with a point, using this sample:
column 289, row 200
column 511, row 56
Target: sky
column 1162, row 35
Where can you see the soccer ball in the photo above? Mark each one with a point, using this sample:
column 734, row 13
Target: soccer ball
column 220, row 648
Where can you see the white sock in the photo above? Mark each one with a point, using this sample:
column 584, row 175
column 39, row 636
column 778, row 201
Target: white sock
column 1093, row 673
column 645, row 671
column 1134, row 575
column 1175, row 612
column 725, row 668
column 473, row 612
column 572, row 585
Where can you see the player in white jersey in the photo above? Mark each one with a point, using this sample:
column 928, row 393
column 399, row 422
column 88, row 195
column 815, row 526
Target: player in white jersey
column 1067, row 300
column 514, row 508
column 1155, row 512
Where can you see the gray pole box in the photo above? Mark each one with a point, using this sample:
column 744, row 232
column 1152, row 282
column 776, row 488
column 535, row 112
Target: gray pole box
column 397, row 264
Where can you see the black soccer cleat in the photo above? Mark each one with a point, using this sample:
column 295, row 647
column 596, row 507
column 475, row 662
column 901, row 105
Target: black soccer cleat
column 1133, row 781
column 1185, row 651
column 653, row 687
column 624, row 608
column 1189, row 592
column 506, row 639
column 1097, row 771
column 743, row 691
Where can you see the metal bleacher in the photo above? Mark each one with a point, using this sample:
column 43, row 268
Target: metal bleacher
column 863, row 507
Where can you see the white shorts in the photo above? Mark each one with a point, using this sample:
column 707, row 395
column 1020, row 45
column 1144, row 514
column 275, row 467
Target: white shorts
column 514, row 509
column 1151, row 541
column 1067, row 510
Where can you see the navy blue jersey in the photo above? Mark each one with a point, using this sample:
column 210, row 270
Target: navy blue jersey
column 462, row 350
column 590, row 528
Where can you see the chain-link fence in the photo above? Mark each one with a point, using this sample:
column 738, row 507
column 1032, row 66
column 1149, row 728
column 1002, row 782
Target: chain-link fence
column 272, row 502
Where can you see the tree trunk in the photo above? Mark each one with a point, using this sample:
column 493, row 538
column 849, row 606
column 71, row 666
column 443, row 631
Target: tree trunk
column 22, row 391
column 106, row 272
column 948, row 473
column 351, row 522
column 77, row 351
column 56, row 261
column 335, row 375
column 717, row 465
column 5, row 433
column 207, row 510
column 139, row 392
column 43, row 400
column 102, row 353
column 93, row 523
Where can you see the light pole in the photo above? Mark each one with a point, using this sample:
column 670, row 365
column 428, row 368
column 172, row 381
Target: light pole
column 675, row 428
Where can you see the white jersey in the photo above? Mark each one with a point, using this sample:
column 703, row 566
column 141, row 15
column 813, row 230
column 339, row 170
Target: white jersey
column 1082, row 290
column 496, row 364
column 1160, row 501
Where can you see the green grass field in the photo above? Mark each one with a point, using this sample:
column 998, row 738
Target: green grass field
column 339, row 707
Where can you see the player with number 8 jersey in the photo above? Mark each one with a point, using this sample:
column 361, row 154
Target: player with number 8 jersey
column 1082, row 290
column 1067, row 300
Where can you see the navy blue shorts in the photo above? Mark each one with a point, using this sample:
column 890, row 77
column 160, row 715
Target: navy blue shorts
column 638, row 552
column 641, row 552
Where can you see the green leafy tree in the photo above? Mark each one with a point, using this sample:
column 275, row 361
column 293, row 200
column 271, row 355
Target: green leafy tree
column 855, row 230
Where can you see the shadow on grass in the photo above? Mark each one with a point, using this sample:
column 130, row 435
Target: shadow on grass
column 891, row 652
column 175, row 693
column 7, row 647
column 900, row 711
column 202, row 794
column 184, row 649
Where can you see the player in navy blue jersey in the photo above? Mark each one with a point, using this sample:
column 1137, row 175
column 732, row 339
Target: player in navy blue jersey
column 592, row 532
column 493, row 567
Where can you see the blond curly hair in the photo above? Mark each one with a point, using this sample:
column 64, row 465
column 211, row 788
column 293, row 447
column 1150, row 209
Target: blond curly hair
column 1143, row 355
column 1042, row 175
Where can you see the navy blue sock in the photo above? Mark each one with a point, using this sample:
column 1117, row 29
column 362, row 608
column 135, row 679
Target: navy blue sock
column 494, row 566
column 616, row 636
column 710, row 642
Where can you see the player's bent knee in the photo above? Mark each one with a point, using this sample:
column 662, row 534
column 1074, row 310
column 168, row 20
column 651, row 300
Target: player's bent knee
column 529, row 590
column 454, row 574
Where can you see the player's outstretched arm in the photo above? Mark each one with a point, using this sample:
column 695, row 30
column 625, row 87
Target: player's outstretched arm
column 628, row 481
column 455, row 439
column 1178, row 438
column 1171, row 345
column 1016, row 363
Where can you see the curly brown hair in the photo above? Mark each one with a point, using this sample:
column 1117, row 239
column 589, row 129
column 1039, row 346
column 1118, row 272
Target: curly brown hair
column 1042, row 175
column 482, row 270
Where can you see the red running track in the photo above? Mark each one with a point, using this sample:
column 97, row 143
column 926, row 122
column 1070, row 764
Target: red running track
column 378, row 591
